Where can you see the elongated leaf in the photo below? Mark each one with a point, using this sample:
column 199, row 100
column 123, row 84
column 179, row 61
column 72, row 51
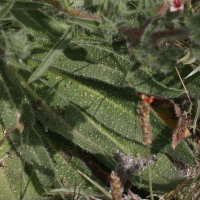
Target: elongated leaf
column 67, row 159
column 112, row 67
column 100, row 62
column 85, row 105
column 5, row 8
column 28, row 144
column 189, row 58
column 97, row 185
column 160, row 179
column 71, row 191
column 196, row 115
column 26, row 5
column 193, row 72
column 142, row 5
column 186, row 57
column 132, row 70
column 86, row 23
column 52, row 54
column 129, row 128
column 45, row 29
column 149, row 30
column 11, row 179
column 117, row 114
column 190, row 61
column 191, row 83
column 84, row 131
column 91, row 135
column 86, row 136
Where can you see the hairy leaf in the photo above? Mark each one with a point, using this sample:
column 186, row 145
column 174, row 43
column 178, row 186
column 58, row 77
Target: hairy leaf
column 52, row 54
column 5, row 8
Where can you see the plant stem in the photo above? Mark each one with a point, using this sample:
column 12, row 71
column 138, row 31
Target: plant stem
column 149, row 172
column 73, row 11
column 189, row 4
column 192, row 183
column 183, row 84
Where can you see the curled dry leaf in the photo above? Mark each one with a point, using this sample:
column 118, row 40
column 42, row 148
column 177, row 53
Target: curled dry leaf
column 184, row 120
column 174, row 114
column 64, row 182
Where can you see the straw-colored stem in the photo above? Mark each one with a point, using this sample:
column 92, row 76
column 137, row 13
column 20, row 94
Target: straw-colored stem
column 149, row 172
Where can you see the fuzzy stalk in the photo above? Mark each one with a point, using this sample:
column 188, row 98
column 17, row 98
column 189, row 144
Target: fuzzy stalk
column 144, row 109
column 149, row 174
column 72, row 10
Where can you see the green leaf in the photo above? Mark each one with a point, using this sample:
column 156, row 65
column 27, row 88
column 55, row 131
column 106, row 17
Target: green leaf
column 196, row 115
column 165, row 179
column 88, row 2
column 91, row 58
column 85, row 105
column 5, row 8
column 26, row 5
column 85, row 23
column 12, row 183
column 96, row 184
column 148, row 31
column 186, row 57
column 109, row 105
column 87, row 133
column 172, row 79
column 189, row 61
column 71, row 191
column 45, row 29
column 52, row 54
column 193, row 72
column 109, row 67
column 132, row 70
column 29, row 143
column 123, row 127
column 67, row 158
column 66, row 3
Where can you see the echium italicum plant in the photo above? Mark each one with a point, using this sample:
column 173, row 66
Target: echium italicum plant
column 85, row 86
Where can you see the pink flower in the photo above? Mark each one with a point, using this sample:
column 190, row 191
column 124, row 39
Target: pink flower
column 176, row 5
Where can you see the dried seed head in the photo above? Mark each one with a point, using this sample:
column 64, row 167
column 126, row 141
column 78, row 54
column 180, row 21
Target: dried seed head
column 144, row 109
column 116, row 188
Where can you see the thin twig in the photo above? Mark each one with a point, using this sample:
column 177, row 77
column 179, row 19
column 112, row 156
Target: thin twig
column 183, row 84
column 7, row 135
column 149, row 172
column 4, row 157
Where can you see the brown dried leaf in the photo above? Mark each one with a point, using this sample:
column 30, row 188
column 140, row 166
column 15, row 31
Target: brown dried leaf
column 181, row 130
column 64, row 182
column 177, row 109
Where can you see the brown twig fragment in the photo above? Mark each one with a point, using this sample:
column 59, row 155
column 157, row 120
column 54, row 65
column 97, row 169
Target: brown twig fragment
column 186, row 91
